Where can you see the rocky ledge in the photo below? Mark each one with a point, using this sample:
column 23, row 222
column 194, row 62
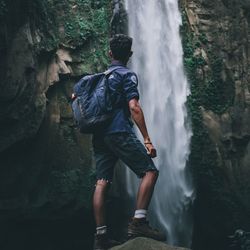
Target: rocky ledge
column 146, row 244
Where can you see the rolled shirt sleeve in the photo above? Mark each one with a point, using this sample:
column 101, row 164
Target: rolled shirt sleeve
column 130, row 86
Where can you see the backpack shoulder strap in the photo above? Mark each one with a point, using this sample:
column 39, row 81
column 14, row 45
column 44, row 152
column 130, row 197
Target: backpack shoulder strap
column 110, row 71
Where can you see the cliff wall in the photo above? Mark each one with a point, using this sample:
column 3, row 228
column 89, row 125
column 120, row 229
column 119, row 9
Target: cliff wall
column 46, row 173
column 216, row 55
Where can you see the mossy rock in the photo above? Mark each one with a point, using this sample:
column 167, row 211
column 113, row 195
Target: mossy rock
column 146, row 244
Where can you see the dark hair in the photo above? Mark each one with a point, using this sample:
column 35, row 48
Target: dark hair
column 120, row 45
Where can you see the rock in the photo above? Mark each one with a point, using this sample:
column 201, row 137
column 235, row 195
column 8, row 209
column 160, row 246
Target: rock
column 146, row 244
column 49, row 71
column 119, row 18
column 220, row 31
column 46, row 168
column 23, row 104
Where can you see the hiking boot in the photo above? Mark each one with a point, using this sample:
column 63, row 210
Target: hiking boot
column 141, row 228
column 102, row 242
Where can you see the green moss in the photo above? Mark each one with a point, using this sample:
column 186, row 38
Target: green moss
column 203, row 38
column 217, row 95
column 202, row 158
column 77, row 29
column 75, row 23
column 96, row 30
column 211, row 93
column 216, row 197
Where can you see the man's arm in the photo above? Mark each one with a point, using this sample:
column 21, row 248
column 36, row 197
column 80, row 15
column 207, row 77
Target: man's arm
column 138, row 117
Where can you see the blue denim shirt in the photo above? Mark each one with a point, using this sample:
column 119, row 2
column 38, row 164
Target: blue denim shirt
column 123, row 87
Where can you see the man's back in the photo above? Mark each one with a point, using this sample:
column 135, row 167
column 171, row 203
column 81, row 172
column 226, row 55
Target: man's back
column 122, row 88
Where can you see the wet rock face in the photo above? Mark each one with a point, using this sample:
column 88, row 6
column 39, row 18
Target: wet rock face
column 46, row 168
column 40, row 42
column 220, row 32
column 119, row 20
column 22, row 104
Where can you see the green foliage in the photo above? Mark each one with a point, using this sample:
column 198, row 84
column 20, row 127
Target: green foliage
column 75, row 23
column 88, row 22
column 77, row 30
column 211, row 93
column 214, row 91
column 203, row 38
column 217, row 95
column 202, row 157
column 82, row 25
column 85, row 20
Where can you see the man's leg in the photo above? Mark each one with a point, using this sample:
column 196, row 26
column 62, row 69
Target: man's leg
column 130, row 150
column 105, row 162
column 102, row 242
column 139, row 226
column 146, row 189
column 99, row 202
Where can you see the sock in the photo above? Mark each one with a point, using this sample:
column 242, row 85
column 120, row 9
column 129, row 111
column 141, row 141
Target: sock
column 140, row 213
column 101, row 230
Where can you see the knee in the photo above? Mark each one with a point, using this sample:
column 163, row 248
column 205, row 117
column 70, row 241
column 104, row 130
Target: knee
column 153, row 175
column 102, row 185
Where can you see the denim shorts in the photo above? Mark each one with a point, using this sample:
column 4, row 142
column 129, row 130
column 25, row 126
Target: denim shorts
column 125, row 146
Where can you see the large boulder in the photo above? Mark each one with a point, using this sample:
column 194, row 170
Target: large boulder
column 146, row 244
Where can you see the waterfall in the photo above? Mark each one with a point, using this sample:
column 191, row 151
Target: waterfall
column 158, row 61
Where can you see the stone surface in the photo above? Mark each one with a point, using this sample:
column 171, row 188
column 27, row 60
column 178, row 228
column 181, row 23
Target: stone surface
column 23, row 105
column 45, row 164
column 46, row 167
column 221, row 30
column 146, row 244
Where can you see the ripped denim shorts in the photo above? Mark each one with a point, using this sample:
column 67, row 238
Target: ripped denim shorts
column 125, row 146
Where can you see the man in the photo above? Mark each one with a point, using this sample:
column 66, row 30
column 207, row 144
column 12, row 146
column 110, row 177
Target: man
column 118, row 141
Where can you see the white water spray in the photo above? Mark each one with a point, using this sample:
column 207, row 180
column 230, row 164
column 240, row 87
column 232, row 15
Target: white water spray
column 154, row 26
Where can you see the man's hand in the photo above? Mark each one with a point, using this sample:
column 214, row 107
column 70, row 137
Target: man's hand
column 151, row 150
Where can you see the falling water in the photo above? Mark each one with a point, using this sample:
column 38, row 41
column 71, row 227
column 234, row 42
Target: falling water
column 154, row 26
